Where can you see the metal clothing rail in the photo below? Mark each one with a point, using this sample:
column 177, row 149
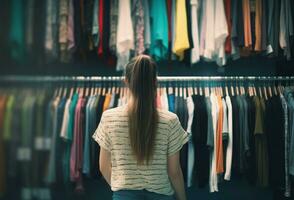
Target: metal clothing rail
column 160, row 78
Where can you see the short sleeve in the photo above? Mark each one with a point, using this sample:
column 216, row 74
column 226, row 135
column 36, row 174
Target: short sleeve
column 177, row 136
column 101, row 135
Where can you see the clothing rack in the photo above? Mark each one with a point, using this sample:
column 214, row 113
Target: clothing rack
column 160, row 78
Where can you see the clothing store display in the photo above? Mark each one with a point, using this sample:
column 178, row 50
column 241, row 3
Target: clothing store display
column 165, row 29
column 220, row 137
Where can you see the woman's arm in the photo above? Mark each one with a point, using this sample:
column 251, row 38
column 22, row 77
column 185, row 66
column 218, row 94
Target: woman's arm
column 105, row 164
column 176, row 176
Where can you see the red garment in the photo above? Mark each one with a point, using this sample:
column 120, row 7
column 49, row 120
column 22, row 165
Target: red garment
column 169, row 7
column 228, row 45
column 100, row 19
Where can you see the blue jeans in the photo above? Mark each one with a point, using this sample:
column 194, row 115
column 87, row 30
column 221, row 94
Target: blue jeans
column 139, row 194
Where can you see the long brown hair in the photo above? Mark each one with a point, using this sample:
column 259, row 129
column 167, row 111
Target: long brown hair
column 141, row 77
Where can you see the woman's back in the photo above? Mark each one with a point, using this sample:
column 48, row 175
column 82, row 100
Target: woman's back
column 113, row 135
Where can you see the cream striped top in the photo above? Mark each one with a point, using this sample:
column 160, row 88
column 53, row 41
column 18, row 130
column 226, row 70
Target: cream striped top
column 112, row 134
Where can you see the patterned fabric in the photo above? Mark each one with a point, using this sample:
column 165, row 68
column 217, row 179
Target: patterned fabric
column 112, row 134
column 286, row 139
column 138, row 13
column 113, row 25
column 63, row 20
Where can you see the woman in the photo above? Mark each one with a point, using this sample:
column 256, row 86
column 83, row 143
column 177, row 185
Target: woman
column 140, row 144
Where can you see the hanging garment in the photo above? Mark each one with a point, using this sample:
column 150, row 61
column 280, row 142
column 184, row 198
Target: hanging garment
column 275, row 137
column 3, row 101
column 213, row 182
column 138, row 22
column 159, row 29
column 38, row 148
column 147, row 33
column 286, row 28
column 191, row 160
column 274, row 8
column 258, row 25
column 221, row 33
column 264, row 23
column 171, row 103
column 250, row 172
column 51, row 33
column 125, row 34
column 63, row 23
column 76, row 157
column 51, row 177
column 236, row 135
column 228, row 45
column 286, row 145
column 95, row 25
column 17, row 30
column 70, row 27
column 101, row 17
column 261, row 144
column 95, row 149
column 195, row 52
column 237, row 23
column 289, row 96
column 30, row 25
column 181, row 40
column 229, row 149
column 113, row 25
column 89, row 124
column 219, row 138
column 106, row 30
column 247, row 23
column 199, row 138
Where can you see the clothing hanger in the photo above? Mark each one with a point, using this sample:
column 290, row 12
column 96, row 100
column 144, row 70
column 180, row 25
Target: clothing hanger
column 185, row 91
column 232, row 89
column 176, row 90
column 237, row 90
column 170, row 88
column 226, row 89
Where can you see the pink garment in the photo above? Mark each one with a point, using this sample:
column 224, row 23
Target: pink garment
column 76, row 158
column 158, row 101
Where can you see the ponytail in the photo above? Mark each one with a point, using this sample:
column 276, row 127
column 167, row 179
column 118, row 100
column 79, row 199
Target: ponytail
column 143, row 116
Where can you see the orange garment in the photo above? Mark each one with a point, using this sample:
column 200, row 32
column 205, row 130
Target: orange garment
column 219, row 138
column 106, row 102
column 247, row 23
column 2, row 159
column 258, row 18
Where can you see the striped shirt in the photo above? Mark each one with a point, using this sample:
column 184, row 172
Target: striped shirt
column 112, row 134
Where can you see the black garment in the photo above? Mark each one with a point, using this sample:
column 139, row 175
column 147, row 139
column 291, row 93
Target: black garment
column 182, row 112
column 264, row 18
column 250, row 156
column 274, row 35
column 274, row 126
column 236, row 136
column 187, row 52
column 39, row 23
column 88, row 10
column 237, row 23
column 95, row 149
column 199, row 138
column 106, row 28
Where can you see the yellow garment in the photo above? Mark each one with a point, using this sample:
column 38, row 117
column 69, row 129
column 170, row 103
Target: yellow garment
column 106, row 102
column 181, row 30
